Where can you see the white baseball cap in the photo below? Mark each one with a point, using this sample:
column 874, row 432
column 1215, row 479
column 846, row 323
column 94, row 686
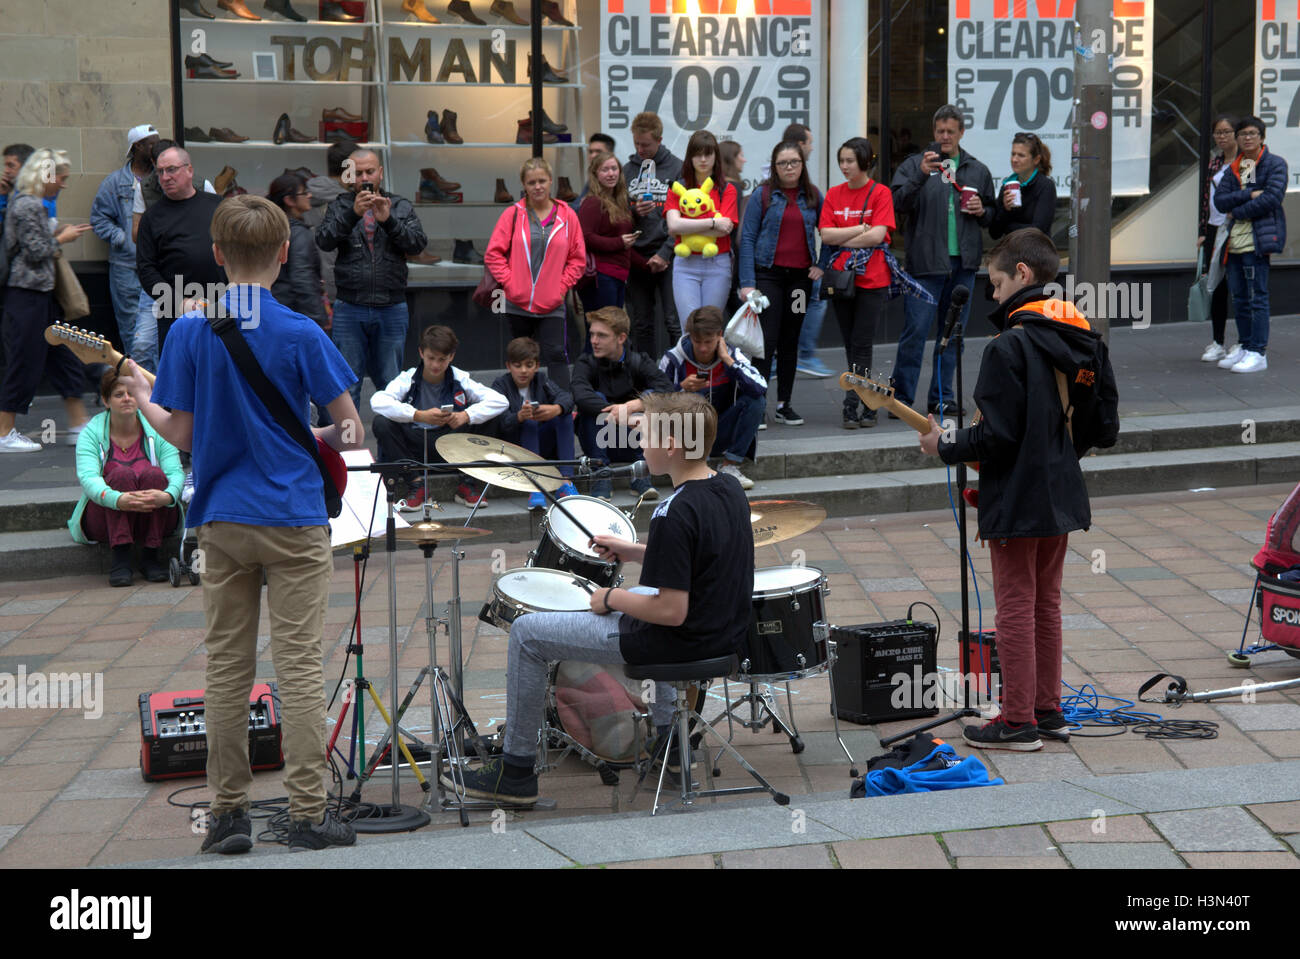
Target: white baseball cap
column 136, row 134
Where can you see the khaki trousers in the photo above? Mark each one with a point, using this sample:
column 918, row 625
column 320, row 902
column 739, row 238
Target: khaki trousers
column 298, row 563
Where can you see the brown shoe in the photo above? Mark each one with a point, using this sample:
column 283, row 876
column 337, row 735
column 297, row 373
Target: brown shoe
column 417, row 9
column 525, row 133
column 334, row 12
column 564, row 192
column 548, row 75
column 424, row 256
column 506, row 11
column 449, row 127
column 503, row 195
column 339, row 115
column 294, row 136
column 462, row 9
column 429, row 173
column 225, row 135
column 224, row 180
column 551, row 10
column 238, row 8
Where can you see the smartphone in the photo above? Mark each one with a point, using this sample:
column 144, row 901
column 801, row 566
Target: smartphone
column 534, row 403
column 636, row 232
column 935, row 148
column 367, row 188
column 447, row 408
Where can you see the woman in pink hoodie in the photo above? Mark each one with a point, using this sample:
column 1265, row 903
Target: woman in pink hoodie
column 537, row 254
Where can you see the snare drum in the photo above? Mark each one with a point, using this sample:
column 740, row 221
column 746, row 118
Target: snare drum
column 600, row 709
column 565, row 547
column 788, row 628
column 527, row 590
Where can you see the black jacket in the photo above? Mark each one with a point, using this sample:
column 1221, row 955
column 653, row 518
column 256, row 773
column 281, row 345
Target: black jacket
column 541, row 389
column 1030, row 483
column 366, row 277
column 1037, row 207
column 298, row 286
column 598, row 383
column 925, row 198
column 655, row 238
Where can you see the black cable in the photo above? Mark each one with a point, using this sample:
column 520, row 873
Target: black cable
column 938, row 624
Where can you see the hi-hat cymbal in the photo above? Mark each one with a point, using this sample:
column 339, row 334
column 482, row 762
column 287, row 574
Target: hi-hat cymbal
column 466, row 447
column 433, row 532
column 776, row 520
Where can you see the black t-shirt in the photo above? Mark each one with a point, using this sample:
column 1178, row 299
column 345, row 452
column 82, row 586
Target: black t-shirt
column 700, row 540
column 176, row 240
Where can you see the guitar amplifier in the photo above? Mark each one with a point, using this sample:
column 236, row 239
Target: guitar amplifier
column 174, row 740
column 885, row 671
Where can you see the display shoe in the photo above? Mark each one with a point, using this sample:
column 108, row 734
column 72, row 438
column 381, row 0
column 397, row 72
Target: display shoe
column 449, row 127
column 429, row 173
column 425, row 257
column 297, row 136
column 564, row 192
column 224, row 180
column 225, row 135
column 196, row 8
column 196, row 135
column 204, row 59
column 549, row 125
column 503, row 195
column 340, row 136
column 238, row 8
column 417, row 9
column 430, row 192
column 464, row 252
column 462, row 9
column 339, row 115
column 283, row 9
column 208, row 71
column 525, row 133
column 431, row 131
column 551, row 11
column 281, row 132
column 506, row 11
column 334, row 12
column 548, row 75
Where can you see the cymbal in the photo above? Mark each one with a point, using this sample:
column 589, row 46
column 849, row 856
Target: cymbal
column 464, row 447
column 776, row 520
column 433, row 532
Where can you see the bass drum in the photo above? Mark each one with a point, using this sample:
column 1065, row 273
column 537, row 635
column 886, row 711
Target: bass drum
column 601, row 709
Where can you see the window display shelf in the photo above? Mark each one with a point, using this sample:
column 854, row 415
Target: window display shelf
column 469, row 86
column 269, row 145
column 222, row 22
column 242, row 81
column 479, row 146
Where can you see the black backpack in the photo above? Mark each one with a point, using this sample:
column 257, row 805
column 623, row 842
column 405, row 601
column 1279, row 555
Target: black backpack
column 1090, row 399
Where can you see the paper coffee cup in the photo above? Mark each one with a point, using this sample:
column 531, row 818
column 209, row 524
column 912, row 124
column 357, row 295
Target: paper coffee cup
column 968, row 193
column 1013, row 190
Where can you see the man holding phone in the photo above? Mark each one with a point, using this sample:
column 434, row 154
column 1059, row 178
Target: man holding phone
column 373, row 231
column 650, row 172
column 947, row 198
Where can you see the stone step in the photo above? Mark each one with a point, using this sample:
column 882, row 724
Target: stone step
column 47, row 553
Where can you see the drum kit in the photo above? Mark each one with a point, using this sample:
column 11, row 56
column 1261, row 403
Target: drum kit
column 593, row 711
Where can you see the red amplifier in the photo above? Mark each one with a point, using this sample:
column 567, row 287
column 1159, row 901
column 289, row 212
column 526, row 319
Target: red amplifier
column 357, row 130
column 173, row 734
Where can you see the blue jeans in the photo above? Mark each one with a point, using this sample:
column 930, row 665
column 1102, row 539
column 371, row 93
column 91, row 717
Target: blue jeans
column 144, row 338
column 1248, row 283
column 552, row 440
column 589, row 434
column 738, row 426
column 602, row 291
column 124, row 289
column 700, row 281
column 371, row 339
column 812, row 326
column 919, row 321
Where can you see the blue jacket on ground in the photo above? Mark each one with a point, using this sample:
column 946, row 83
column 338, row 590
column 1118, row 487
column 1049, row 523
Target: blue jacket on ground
column 1265, row 212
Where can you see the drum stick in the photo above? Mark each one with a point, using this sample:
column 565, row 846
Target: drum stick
column 558, row 505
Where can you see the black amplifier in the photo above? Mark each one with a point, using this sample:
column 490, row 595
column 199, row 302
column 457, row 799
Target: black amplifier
column 885, row 671
column 174, row 740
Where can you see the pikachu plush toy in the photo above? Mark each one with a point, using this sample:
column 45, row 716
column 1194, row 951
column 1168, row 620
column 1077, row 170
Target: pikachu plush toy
column 696, row 205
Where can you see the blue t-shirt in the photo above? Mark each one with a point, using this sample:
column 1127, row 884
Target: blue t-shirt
column 247, row 469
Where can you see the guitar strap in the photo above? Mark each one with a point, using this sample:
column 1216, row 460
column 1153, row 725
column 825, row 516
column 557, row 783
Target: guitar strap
column 228, row 331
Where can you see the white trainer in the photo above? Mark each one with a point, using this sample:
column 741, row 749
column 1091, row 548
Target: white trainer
column 1251, row 362
column 1213, row 353
column 731, row 469
column 15, row 442
column 1233, row 358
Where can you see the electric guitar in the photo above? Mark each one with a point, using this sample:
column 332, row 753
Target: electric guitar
column 92, row 348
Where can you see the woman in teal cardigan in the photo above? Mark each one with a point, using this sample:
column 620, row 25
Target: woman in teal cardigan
column 131, row 481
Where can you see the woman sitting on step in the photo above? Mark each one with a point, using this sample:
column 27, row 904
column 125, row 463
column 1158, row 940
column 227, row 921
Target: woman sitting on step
column 131, row 482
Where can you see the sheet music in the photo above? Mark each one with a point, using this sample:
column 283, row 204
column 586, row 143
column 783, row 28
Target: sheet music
column 350, row 526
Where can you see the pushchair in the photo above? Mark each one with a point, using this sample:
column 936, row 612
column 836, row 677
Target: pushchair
column 180, row 567
column 1277, row 587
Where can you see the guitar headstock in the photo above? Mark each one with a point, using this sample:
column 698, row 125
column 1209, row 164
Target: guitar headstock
column 872, row 392
column 89, row 347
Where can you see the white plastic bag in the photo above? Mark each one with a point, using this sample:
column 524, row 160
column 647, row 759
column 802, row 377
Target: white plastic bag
column 744, row 331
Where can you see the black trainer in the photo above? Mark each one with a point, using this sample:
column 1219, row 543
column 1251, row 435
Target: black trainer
column 305, row 835
column 491, row 783
column 867, row 419
column 1052, row 724
column 785, row 414
column 229, row 833
column 1000, row 734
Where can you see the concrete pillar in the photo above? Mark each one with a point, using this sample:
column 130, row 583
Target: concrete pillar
column 848, row 57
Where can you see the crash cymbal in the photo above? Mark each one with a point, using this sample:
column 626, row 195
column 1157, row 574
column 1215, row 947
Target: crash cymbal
column 776, row 520
column 467, row 447
column 432, row 532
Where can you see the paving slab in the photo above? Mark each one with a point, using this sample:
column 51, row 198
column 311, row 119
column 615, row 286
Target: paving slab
column 675, row 862
column 1242, row 860
column 903, row 852
column 784, row 857
column 1197, row 788
column 1121, row 855
column 1132, row 829
column 1283, row 817
column 1011, row 841
column 1262, row 716
column 106, row 784
column 1221, row 829
column 1012, row 862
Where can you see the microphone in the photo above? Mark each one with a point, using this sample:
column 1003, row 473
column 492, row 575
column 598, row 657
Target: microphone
column 959, row 297
column 598, row 470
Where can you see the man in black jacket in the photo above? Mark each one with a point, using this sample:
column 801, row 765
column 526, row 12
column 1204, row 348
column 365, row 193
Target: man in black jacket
column 1032, row 494
column 607, row 385
column 373, row 231
column 944, row 244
